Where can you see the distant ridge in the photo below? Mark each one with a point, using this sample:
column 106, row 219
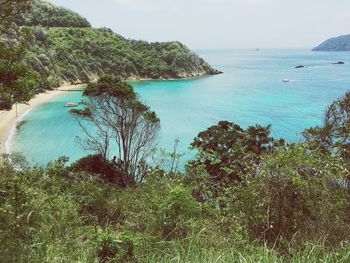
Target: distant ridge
column 341, row 43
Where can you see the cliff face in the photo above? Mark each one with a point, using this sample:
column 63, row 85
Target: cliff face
column 341, row 43
column 66, row 49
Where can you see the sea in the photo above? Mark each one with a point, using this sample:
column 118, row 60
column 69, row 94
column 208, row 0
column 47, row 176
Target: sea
column 257, row 87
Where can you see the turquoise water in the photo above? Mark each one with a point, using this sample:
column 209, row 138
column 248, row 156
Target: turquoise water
column 251, row 91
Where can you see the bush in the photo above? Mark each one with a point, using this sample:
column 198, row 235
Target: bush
column 177, row 213
column 112, row 247
column 228, row 152
column 36, row 217
column 98, row 202
column 296, row 197
column 96, row 164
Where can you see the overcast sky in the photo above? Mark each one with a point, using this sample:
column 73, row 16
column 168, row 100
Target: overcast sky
column 220, row 23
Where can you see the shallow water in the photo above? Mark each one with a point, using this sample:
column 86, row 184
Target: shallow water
column 250, row 91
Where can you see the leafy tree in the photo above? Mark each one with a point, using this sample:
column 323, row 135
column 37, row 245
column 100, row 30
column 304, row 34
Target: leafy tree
column 333, row 137
column 113, row 113
column 11, row 8
column 47, row 15
column 228, row 152
column 177, row 212
column 17, row 81
column 97, row 165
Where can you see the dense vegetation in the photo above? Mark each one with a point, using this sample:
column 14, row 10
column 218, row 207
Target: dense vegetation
column 17, row 81
column 47, row 15
column 66, row 48
column 81, row 54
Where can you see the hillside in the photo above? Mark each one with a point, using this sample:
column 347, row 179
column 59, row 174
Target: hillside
column 341, row 43
column 66, row 49
column 47, row 15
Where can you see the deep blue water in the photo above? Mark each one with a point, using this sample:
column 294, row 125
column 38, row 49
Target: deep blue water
column 250, row 91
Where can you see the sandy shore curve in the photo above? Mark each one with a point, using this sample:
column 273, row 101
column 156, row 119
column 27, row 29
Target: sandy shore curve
column 8, row 118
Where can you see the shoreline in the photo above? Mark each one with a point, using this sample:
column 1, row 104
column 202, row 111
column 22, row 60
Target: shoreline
column 8, row 118
column 8, row 122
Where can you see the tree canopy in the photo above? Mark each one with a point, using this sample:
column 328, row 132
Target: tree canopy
column 116, row 122
column 9, row 9
column 17, row 81
column 45, row 14
column 333, row 137
column 227, row 151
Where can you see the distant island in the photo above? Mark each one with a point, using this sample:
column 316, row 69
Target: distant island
column 66, row 49
column 341, row 43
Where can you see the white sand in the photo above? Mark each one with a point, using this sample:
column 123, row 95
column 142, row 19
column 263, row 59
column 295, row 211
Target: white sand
column 8, row 118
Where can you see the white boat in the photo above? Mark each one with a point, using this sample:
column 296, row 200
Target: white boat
column 286, row 80
column 71, row 104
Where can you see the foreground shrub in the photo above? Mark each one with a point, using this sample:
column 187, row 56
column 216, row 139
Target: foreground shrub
column 98, row 202
column 38, row 220
column 111, row 247
column 177, row 213
column 96, row 164
column 297, row 196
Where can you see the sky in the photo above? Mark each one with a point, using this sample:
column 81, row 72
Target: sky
column 204, row 24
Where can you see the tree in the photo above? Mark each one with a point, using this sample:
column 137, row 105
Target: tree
column 333, row 137
column 11, row 8
column 227, row 151
column 17, row 81
column 114, row 120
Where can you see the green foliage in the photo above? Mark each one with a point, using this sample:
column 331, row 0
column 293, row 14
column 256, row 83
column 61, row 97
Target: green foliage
column 96, row 164
column 334, row 136
column 115, row 248
column 17, row 81
column 177, row 212
column 10, row 9
column 47, row 15
column 296, row 196
column 111, row 86
column 34, row 211
column 228, row 152
column 82, row 54
column 56, row 215
column 114, row 120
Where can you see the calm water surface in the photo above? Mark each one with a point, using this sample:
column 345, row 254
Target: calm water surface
column 251, row 91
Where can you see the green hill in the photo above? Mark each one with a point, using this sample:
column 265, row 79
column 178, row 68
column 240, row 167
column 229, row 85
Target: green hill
column 47, row 15
column 65, row 48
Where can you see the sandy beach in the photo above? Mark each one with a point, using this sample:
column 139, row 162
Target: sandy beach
column 8, row 118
